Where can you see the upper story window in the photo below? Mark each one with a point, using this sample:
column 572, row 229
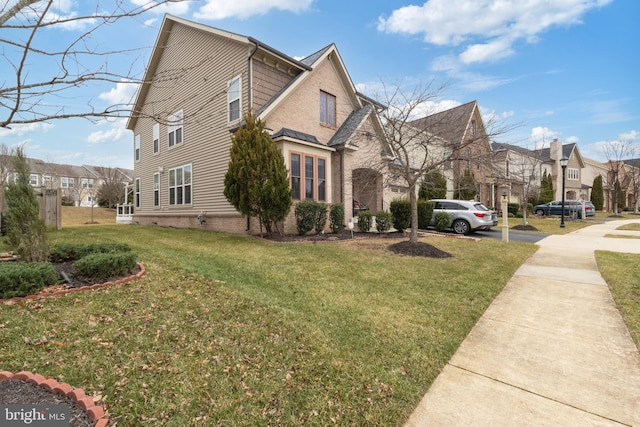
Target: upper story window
column 180, row 185
column 573, row 174
column 66, row 182
column 472, row 128
column 33, row 179
column 308, row 172
column 156, row 138
column 233, row 98
column 327, row 109
column 86, row 182
column 175, row 128
column 136, row 147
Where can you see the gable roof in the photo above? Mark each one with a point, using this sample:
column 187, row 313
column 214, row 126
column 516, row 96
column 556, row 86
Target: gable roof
column 161, row 41
column 567, row 150
column 350, row 126
column 450, row 125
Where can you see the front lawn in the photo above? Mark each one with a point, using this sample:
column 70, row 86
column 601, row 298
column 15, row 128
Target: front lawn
column 232, row 330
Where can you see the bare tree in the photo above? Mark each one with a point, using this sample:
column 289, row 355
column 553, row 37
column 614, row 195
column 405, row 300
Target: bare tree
column 420, row 141
column 616, row 152
column 633, row 173
column 111, row 190
column 76, row 62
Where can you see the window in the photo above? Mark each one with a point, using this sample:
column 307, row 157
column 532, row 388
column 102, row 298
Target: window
column 156, row 189
column 87, row 183
column 136, row 143
column 233, row 98
column 295, row 176
column 314, row 172
column 308, row 176
column 180, row 185
column 327, row 109
column 573, row 174
column 66, row 182
column 33, row 179
column 137, row 193
column 322, row 180
column 156, row 138
column 472, row 128
column 46, row 178
column 175, row 128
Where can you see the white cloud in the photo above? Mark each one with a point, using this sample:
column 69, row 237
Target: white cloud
column 487, row 28
column 22, row 129
column 542, row 136
column 631, row 136
column 221, row 9
column 175, row 8
column 116, row 131
column 572, row 139
column 123, row 93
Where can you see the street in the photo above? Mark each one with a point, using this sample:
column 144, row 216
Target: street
column 514, row 235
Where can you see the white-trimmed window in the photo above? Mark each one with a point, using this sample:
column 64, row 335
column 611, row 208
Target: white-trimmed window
column 86, row 182
column 175, row 128
column 156, row 138
column 180, row 185
column 66, row 182
column 137, row 193
column 327, row 109
column 233, row 98
column 34, row 180
column 573, row 174
column 156, row 189
column 308, row 177
column 136, row 147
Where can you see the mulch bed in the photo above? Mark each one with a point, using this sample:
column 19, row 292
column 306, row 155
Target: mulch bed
column 404, row 247
column 22, row 392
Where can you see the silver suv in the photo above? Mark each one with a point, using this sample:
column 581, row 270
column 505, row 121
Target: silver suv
column 466, row 215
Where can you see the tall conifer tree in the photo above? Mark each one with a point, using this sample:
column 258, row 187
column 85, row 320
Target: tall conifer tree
column 256, row 183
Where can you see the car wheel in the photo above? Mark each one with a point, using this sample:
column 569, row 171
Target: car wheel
column 460, row 226
column 539, row 212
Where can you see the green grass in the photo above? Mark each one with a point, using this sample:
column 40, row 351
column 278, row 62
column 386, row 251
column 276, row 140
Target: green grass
column 231, row 330
column 622, row 273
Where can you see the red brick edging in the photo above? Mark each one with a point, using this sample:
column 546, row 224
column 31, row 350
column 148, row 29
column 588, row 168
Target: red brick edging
column 41, row 295
column 95, row 412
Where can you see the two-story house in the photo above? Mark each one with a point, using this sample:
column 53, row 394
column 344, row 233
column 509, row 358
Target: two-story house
column 199, row 84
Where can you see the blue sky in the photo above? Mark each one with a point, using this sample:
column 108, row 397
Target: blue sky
column 565, row 69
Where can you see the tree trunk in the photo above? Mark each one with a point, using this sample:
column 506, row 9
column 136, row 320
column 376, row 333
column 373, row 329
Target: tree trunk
column 413, row 199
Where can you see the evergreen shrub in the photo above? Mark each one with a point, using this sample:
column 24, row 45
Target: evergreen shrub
column 442, row 221
column 401, row 211
column 105, row 265
column 336, row 217
column 384, row 220
column 19, row 279
column 425, row 212
column 365, row 220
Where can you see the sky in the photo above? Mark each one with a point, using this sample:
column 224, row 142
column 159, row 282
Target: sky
column 566, row 69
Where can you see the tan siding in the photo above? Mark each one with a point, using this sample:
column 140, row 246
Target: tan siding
column 199, row 89
column 266, row 81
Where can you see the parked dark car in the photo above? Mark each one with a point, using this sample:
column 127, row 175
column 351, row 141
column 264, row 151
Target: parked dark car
column 572, row 208
column 466, row 216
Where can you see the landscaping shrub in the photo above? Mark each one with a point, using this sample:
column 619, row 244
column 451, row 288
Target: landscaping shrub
column 401, row 211
column 19, row 279
column 384, row 220
column 336, row 217
column 442, row 221
column 320, row 217
column 425, row 212
column 365, row 220
column 74, row 251
column 513, row 208
column 305, row 216
column 105, row 265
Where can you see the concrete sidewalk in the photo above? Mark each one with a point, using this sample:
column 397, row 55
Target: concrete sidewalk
column 551, row 350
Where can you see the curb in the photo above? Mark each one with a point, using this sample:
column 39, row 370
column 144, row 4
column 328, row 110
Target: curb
column 124, row 280
column 95, row 412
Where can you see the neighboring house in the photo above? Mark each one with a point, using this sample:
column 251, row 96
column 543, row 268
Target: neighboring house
column 201, row 81
column 78, row 184
column 462, row 133
column 518, row 170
